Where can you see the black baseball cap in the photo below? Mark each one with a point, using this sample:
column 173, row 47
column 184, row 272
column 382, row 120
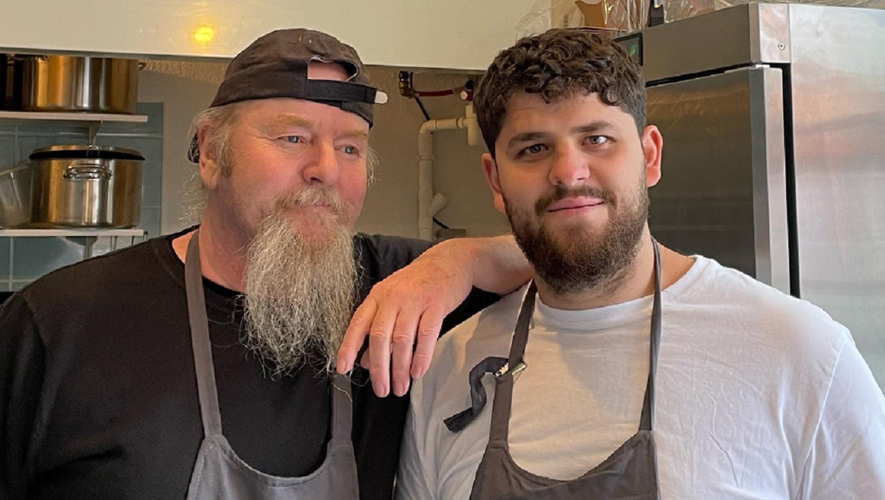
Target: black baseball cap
column 276, row 65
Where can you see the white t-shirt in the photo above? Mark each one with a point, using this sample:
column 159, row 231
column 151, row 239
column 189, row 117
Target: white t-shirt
column 759, row 396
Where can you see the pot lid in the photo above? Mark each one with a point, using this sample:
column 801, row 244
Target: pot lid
column 81, row 151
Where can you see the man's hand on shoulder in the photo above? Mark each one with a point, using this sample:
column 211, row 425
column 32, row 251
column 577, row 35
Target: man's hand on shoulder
column 412, row 303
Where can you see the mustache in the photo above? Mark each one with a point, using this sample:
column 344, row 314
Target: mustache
column 562, row 192
column 309, row 196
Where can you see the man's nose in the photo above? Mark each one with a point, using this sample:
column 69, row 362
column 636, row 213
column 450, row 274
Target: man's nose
column 570, row 166
column 323, row 168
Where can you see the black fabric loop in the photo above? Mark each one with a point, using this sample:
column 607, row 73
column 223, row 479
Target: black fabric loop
column 478, row 397
column 493, row 364
column 335, row 91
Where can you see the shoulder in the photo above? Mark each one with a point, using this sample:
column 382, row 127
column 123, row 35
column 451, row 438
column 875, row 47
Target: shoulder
column 96, row 295
column 764, row 318
column 759, row 300
column 98, row 275
column 385, row 248
column 381, row 255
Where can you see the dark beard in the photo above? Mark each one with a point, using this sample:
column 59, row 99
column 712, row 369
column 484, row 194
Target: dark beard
column 585, row 259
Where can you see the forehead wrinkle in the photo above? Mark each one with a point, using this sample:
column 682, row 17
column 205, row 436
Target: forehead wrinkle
column 594, row 126
column 288, row 120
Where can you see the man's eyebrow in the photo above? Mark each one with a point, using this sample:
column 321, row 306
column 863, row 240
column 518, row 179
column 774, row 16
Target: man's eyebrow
column 283, row 121
column 356, row 134
column 595, row 126
column 526, row 137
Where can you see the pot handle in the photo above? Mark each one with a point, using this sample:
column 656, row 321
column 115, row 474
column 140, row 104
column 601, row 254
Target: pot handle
column 84, row 172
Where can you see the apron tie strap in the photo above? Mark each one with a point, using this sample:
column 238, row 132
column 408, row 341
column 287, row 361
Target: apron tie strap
column 478, row 398
column 499, row 366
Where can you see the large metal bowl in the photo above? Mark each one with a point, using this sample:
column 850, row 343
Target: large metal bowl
column 86, row 84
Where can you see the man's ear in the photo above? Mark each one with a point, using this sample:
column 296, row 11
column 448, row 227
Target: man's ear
column 210, row 169
column 652, row 148
column 490, row 167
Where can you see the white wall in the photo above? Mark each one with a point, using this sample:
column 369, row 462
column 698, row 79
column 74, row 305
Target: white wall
column 418, row 33
column 391, row 206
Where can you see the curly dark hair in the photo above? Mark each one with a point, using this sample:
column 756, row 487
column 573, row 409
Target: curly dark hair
column 557, row 64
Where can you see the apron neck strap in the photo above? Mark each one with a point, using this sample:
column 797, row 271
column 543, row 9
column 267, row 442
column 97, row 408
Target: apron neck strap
column 199, row 326
column 342, row 407
column 523, row 322
column 646, row 423
column 502, row 403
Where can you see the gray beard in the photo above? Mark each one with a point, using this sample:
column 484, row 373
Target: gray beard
column 300, row 293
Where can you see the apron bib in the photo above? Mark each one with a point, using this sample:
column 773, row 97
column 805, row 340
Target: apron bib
column 219, row 474
column 631, row 472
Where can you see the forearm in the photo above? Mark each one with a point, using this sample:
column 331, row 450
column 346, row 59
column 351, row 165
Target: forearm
column 494, row 264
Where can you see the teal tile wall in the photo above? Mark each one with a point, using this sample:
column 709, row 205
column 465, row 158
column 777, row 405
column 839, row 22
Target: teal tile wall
column 34, row 257
column 7, row 150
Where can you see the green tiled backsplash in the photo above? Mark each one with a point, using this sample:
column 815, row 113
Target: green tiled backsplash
column 23, row 260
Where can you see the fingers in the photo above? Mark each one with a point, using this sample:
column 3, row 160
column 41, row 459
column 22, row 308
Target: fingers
column 355, row 335
column 395, row 322
column 379, row 342
column 365, row 359
column 403, row 340
column 393, row 359
column 428, row 334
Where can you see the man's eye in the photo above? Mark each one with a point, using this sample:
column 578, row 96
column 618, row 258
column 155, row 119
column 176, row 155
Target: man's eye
column 351, row 150
column 597, row 139
column 293, row 139
column 533, row 149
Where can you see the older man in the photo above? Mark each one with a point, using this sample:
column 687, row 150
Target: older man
column 198, row 365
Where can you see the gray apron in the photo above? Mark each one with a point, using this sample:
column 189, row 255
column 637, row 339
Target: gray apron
column 219, row 473
column 631, row 472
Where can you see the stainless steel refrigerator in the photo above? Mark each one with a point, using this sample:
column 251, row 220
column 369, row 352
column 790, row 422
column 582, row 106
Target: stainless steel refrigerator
column 773, row 117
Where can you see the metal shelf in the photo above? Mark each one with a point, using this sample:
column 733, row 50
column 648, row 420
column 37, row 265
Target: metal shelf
column 90, row 242
column 71, row 233
column 72, row 116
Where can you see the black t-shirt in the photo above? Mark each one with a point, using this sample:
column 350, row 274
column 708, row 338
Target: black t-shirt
column 98, row 395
